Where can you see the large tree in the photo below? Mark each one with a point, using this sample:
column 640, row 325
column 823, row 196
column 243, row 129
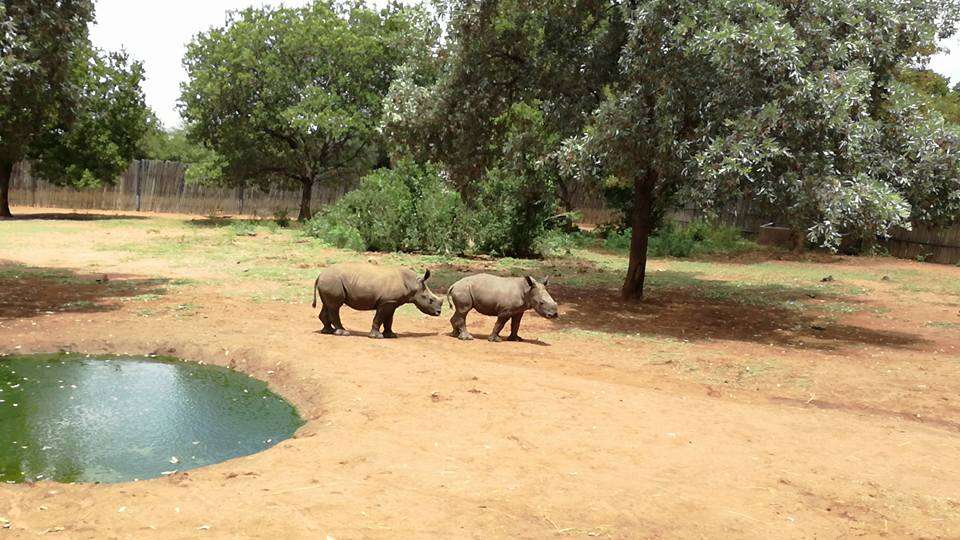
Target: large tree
column 40, row 42
column 94, row 141
column 793, row 104
column 76, row 112
column 550, row 58
column 294, row 95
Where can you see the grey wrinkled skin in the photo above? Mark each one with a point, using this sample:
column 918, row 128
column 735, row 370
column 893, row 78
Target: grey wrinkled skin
column 507, row 299
column 371, row 288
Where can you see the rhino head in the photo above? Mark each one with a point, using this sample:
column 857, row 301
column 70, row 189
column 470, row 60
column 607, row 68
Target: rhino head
column 540, row 300
column 425, row 300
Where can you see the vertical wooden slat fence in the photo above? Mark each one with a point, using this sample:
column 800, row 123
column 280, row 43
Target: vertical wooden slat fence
column 160, row 186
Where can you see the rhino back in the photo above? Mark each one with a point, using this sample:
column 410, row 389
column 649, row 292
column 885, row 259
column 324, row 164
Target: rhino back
column 495, row 295
column 367, row 286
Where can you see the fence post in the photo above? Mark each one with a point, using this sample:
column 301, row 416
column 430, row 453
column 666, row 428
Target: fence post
column 240, row 199
column 137, row 182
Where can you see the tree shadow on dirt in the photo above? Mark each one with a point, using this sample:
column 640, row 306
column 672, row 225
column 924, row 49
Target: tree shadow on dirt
column 700, row 310
column 22, row 216
column 28, row 291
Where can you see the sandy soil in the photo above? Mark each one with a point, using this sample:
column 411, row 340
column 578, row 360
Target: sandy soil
column 585, row 431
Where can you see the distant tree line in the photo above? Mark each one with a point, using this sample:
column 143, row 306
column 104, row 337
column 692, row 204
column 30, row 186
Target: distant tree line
column 821, row 112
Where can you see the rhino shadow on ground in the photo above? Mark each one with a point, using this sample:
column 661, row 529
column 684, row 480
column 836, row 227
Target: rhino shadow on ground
column 366, row 334
column 700, row 310
column 28, row 291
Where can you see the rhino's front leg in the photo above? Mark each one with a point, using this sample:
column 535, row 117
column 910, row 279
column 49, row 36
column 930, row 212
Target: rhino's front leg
column 497, row 328
column 515, row 327
column 388, row 324
column 381, row 316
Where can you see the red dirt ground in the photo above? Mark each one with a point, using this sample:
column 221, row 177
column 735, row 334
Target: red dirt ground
column 853, row 430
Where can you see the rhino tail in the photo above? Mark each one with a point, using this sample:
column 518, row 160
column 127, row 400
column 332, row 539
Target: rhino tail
column 316, row 285
column 450, row 296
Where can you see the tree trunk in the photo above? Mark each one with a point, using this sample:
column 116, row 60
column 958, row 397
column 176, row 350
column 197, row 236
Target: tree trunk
column 307, row 195
column 6, row 171
column 642, row 227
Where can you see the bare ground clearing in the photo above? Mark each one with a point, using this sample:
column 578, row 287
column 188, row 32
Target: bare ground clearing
column 745, row 399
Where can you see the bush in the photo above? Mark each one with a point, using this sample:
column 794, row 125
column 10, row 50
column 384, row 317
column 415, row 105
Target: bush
column 697, row 238
column 511, row 214
column 410, row 208
column 282, row 218
column 556, row 243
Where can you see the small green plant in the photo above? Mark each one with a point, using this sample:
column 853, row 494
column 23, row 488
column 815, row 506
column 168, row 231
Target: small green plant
column 282, row 218
column 339, row 235
column 243, row 228
column 617, row 240
column 555, row 243
column 672, row 240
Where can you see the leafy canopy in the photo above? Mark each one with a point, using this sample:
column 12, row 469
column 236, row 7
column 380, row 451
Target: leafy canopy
column 294, row 95
column 41, row 41
column 77, row 110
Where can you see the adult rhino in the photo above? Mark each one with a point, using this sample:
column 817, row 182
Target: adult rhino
column 505, row 298
column 367, row 288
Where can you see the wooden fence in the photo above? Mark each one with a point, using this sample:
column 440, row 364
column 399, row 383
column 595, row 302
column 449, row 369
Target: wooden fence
column 940, row 245
column 161, row 186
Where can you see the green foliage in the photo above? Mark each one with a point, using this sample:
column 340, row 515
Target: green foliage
column 244, row 228
column 41, row 40
column 935, row 88
column 410, row 208
column 294, row 95
column 515, row 198
column 792, row 105
column 282, row 218
column 697, row 238
column 76, row 111
column 107, row 125
column 556, row 243
column 172, row 145
column 551, row 57
column 334, row 234
column 509, row 216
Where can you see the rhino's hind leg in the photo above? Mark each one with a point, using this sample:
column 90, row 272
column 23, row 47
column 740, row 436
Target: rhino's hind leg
column 334, row 314
column 515, row 327
column 497, row 328
column 327, row 320
column 459, row 324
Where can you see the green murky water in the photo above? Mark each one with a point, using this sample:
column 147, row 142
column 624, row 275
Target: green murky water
column 73, row 418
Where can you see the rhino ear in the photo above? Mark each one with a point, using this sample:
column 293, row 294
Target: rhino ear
column 531, row 282
column 546, row 281
column 425, row 277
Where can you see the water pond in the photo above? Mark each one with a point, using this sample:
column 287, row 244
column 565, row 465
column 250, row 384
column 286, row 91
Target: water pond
column 77, row 418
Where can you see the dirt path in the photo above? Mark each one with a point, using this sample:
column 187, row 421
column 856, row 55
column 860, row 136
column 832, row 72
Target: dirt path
column 854, row 431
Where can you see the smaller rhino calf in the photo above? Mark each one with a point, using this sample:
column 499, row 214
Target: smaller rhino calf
column 507, row 299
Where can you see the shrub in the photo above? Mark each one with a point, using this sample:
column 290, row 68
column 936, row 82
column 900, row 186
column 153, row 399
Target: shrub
column 244, row 228
column 511, row 212
column 697, row 238
column 282, row 218
column 410, row 208
column 556, row 243
column 617, row 240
